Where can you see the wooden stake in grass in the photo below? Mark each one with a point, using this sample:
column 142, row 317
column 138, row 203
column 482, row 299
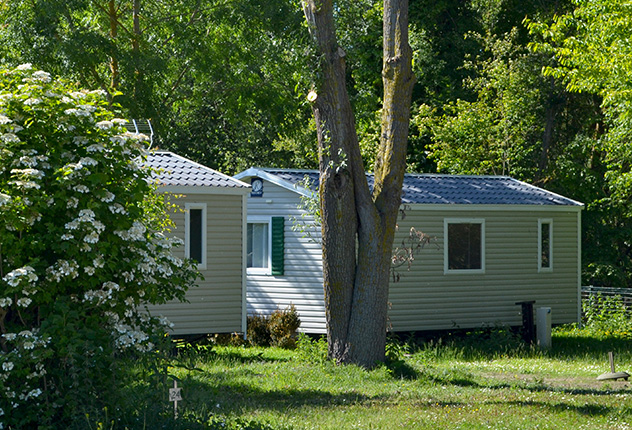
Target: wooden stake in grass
column 612, row 375
column 175, row 395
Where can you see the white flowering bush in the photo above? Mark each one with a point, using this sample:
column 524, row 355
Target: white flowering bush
column 81, row 251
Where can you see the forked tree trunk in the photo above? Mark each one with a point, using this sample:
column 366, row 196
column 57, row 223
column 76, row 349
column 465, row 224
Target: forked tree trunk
column 356, row 280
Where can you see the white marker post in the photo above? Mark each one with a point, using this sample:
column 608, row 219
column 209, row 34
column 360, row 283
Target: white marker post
column 175, row 395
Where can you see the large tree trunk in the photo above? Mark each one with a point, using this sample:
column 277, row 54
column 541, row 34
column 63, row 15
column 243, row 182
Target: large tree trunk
column 356, row 280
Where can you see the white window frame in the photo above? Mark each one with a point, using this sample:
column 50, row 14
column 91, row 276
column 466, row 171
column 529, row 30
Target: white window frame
column 446, row 223
column 187, row 232
column 542, row 221
column 261, row 270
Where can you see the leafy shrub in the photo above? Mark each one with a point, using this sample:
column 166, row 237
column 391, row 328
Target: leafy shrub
column 314, row 350
column 228, row 339
column 81, row 252
column 258, row 331
column 283, row 325
column 278, row 329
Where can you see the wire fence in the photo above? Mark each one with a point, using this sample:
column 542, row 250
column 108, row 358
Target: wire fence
column 624, row 295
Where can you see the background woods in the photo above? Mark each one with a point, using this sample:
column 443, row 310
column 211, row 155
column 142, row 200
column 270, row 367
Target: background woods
column 225, row 83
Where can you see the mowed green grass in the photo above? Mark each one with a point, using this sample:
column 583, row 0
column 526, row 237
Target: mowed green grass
column 454, row 385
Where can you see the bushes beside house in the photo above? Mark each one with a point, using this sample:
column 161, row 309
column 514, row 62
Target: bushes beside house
column 278, row 329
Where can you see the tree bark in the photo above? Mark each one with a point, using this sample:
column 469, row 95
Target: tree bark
column 336, row 137
column 547, row 135
column 356, row 280
column 114, row 65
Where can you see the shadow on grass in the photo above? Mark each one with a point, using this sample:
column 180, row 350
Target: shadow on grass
column 588, row 410
column 489, row 343
column 190, row 357
column 400, row 369
column 568, row 346
column 255, row 357
column 238, row 398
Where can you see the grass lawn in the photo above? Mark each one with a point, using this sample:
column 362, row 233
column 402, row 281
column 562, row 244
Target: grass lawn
column 476, row 382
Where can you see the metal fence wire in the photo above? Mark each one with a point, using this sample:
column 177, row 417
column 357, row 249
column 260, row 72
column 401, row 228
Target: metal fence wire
column 622, row 294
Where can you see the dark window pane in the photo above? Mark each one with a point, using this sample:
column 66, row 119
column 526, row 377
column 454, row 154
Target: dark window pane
column 545, row 245
column 195, row 234
column 464, row 246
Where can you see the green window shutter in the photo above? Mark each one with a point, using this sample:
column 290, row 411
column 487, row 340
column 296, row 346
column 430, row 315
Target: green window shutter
column 278, row 244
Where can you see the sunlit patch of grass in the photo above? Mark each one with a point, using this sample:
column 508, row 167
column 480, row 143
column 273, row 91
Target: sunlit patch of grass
column 435, row 384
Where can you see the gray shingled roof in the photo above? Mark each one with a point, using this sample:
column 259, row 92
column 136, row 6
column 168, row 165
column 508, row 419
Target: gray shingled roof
column 455, row 189
column 174, row 170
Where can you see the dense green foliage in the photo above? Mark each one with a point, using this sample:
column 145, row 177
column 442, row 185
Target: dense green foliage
column 82, row 251
column 217, row 78
column 545, row 99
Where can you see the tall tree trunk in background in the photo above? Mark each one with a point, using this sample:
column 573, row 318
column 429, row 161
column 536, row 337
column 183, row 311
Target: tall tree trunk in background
column 114, row 65
column 549, row 123
column 356, row 280
column 136, row 49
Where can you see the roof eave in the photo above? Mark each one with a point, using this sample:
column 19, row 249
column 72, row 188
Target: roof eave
column 263, row 174
column 457, row 207
column 197, row 189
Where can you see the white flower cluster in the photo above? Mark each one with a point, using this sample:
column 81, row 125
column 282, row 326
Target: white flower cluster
column 95, row 147
column 31, row 159
column 78, row 112
column 72, row 203
column 135, row 233
column 39, row 76
column 130, row 141
column 164, row 321
column 32, row 101
column 62, row 269
column 162, row 246
column 127, row 337
column 74, row 170
column 117, row 208
column 105, row 125
column 87, row 219
column 21, row 275
column 102, row 295
column 29, row 173
column 108, row 197
column 4, row 199
column 87, row 161
column 27, row 344
column 10, row 138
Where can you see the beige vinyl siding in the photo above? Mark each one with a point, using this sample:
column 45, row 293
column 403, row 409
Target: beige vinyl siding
column 215, row 304
column 302, row 281
column 427, row 299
